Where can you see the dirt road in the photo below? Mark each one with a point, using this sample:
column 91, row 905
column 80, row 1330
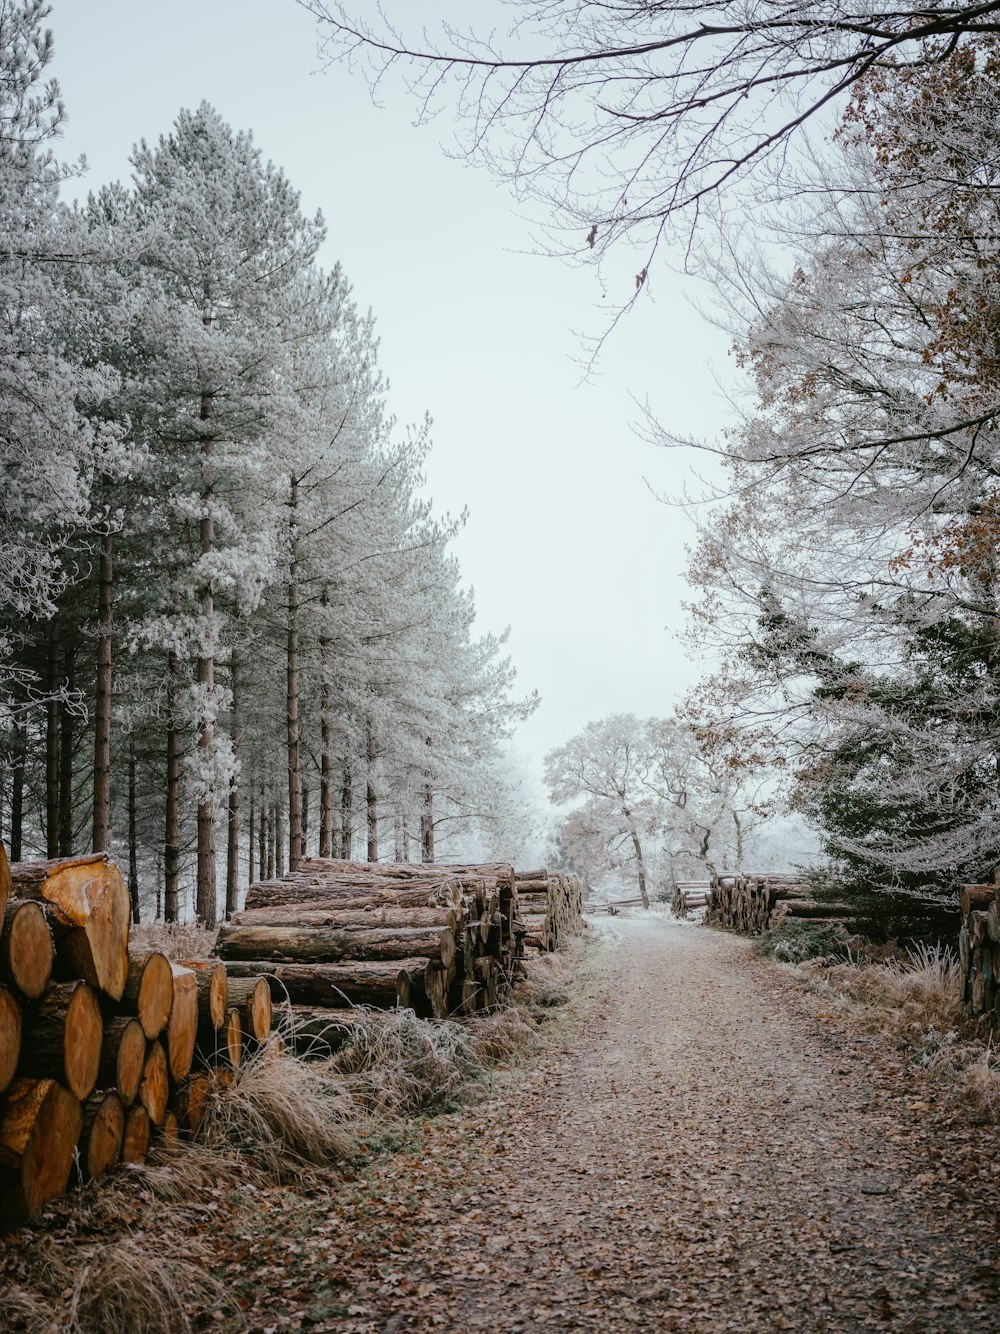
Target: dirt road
column 708, row 1154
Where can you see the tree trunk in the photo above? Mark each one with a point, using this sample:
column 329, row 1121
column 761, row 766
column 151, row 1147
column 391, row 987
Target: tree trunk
column 20, row 747
column 305, row 821
column 262, row 837
column 346, row 812
column 133, row 847
column 371, row 797
column 102, row 704
column 324, row 944
column 292, row 678
column 205, row 894
column 427, row 818
column 326, row 760
column 171, row 841
column 640, row 864
column 279, row 840
column 251, row 829
column 333, row 984
column 66, row 729
column 52, row 743
column 271, row 818
column 233, row 826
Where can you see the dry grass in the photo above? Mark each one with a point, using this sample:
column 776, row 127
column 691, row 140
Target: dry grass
column 282, row 1114
column 177, row 940
column 915, row 1003
column 130, row 1287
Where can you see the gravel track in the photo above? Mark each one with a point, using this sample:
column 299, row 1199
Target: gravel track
column 708, row 1153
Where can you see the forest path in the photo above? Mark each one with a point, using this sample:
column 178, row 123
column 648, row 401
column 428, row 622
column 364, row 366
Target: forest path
column 705, row 1154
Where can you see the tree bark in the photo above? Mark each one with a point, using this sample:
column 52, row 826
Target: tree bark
column 333, row 984
column 251, row 829
column 271, row 822
column 20, row 748
column 205, row 893
column 346, row 812
column 52, row 709
column 40, row 1125
column 326, row 758
column 371, row 796
column 640, row 864
column 102, row 705
column 323, row 944
column 171, row 840
column 427, row 818
column 133, row 838
column 66, row 729
column 233, row 822
column 292, row 680
column 279, row 840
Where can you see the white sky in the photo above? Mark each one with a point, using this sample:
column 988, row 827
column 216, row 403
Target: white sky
column 564, row 542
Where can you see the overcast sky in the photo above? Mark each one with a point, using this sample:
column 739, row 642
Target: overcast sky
column 565, row 542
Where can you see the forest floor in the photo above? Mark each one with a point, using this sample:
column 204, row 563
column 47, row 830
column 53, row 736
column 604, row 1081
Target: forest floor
column 702, row 1147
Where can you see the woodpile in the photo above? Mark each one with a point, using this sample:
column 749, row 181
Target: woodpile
column 613, row 906
column 752, row 904
column 689, row 895
column 97, row 1040
column 979, row 950
column 441, row 940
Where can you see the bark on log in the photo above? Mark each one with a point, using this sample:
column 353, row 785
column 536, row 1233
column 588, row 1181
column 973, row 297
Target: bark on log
column 210, row 980
column 103, row 1133
column 40, row 1124
column 317, row 1033
column 328, row 945
column 329, row 983
column 27, row 950
column 379, row 914
column 182, row 1028
column 154, row 1089
column 138, row 1129
column 10, row 1036
column 190, row 1101
column 62, row 1038
column 978, row 897
column 251, row 998
column 91, row 894
column 149, row 990
column 231, row 1036
column 123, row 1056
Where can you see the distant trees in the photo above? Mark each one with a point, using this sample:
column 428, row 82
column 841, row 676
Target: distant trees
column 232, row 632
column 656, row 796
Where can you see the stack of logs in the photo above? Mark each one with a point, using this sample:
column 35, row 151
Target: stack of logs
column 979, row 950
column 98, row 1042
column 753, row 904
column 440, row 940
column 689, row 895
column 550, row 906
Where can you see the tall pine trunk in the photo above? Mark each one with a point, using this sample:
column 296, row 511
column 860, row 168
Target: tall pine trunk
column 251, row 828
column 262, row 836
column 346, row 813
column 279, row 840
column 53, row 686
column 326, row 748
column 101, row 831
column 271, row 822
column 233, row 828
column 292, row 681
column 427, row 818
column 171, row 839
column 133, row 841
column 639, row 862
column 371, row 796
column 17, row 791
column 205, row 894
column 66, row 742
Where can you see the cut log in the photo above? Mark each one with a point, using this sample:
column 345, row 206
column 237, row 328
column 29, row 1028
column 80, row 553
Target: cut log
column 328, row 945
column 329, row 983
column 171, row 1129
column 813, row 908
column 62, row 1038
column 149, row 990
column 387, row 916
column 103, row 1133
column 135, row 1142
column 27, row 950
column 154, row 1089
column 975, row 897
column 93, row 897
column 123, row 1056
column 231, row 1036
column 317, row 1034
column 210, row 979
column 251, row 998
column 182, row 1028
column 10, row 1036
column 40, row 1124
column 190, row 1102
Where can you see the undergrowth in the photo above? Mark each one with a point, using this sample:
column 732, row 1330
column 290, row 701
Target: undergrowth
column 913, row 1000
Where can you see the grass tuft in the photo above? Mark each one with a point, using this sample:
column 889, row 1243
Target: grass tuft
column 127, row 1288
column 177, row 940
